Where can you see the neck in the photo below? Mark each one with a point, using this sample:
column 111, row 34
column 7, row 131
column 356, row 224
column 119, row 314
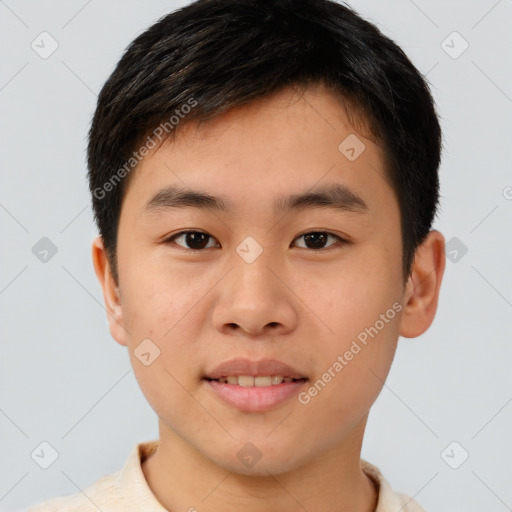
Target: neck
column 182, row 478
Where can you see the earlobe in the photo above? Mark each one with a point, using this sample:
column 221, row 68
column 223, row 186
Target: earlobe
column 422, row 290
column 111, row 295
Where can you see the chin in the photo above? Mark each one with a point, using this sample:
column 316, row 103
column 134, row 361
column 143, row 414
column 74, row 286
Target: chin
column 249, row 462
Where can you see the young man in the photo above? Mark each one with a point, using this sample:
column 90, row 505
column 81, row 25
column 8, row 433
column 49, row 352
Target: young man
column 264, row 177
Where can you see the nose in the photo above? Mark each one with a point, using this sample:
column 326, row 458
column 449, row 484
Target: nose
column 255, row 300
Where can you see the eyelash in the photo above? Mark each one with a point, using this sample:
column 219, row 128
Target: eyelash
column 171, row 239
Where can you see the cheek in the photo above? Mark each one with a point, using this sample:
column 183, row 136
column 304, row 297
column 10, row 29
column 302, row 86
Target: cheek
column 361, row 309
column 158, row 299
column 351, row 366
column 160, row 351
column 346, row 302
column 158, row 317
column 160, row 385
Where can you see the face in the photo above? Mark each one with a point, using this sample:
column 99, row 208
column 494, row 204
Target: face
column 315, row 285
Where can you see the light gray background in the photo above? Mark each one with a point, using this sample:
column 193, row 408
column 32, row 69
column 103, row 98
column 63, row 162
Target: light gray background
column 64, row 380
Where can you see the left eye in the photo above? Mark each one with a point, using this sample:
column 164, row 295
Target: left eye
column 317, row 238
column 198, row 240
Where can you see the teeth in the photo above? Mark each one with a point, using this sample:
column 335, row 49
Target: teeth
column 248, row 381
column 259, row 382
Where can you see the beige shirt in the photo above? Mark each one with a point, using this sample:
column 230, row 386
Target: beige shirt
column 127, row 490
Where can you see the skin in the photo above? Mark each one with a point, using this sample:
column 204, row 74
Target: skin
column 295, row 303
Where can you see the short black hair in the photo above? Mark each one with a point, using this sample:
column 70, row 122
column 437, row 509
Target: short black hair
column 214, row 55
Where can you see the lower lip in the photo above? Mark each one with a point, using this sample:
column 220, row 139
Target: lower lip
column 256, row 399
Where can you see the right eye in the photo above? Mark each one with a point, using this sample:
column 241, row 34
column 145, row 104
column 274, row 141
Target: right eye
column 196, row 240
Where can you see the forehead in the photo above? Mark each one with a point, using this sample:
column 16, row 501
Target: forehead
column 277, row 149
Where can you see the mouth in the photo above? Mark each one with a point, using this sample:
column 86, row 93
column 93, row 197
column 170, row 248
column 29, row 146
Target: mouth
column 248, row 393
column 254, row 385
column 260, row 381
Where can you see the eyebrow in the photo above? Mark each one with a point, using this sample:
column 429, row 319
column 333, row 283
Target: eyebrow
column 336, row 196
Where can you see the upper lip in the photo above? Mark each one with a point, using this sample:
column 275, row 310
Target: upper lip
column 259, row 368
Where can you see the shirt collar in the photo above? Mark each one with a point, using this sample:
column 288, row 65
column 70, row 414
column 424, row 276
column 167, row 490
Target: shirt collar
column 132, row 483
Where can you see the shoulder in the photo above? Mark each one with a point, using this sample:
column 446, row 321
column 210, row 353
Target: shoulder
column 389, row 500
column 100, row 493
column 408, row 503
column 115, row 492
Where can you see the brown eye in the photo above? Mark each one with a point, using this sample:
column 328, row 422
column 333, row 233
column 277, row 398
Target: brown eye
column 197, row 240
column 318, row 239
column 194, row 240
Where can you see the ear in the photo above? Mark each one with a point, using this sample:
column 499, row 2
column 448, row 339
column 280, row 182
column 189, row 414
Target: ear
column 111, row 294
column 422, row 289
